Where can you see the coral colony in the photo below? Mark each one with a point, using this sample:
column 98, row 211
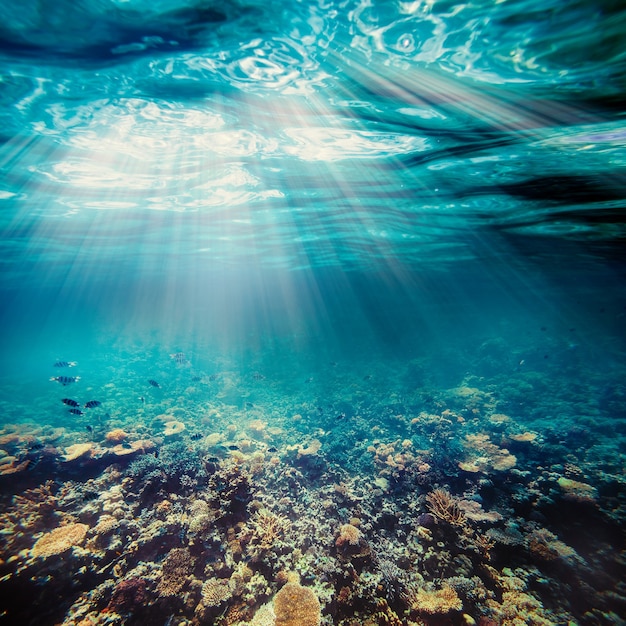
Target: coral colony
column 447, row 511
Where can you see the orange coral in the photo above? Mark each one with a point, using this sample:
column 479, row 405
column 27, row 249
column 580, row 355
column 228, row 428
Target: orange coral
column 348, row 533
column 117, row 435
column 295, row 605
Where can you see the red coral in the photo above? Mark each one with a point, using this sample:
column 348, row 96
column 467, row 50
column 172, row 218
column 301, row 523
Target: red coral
column 127, row 595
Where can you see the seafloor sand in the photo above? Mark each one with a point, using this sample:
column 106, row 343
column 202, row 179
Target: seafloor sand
column 377, row 497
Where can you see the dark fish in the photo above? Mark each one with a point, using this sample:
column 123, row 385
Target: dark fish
column 341, row 416
column 249, row 405
column 65, row 380
column 272, row 449
column 180, row 358
column 213, row 377
column 89, row 428
column 92, row 404
column 154, row 383
column 142, row 399
column 233, row 447
column 212, row 459
column 258, row 376
column 36, row 446
column 196, row 379
column 196, row 436
column 90, row 495
column 76, row 412
column 69, row 402
column 65, row 364
column 367, row 377
column 127, row 445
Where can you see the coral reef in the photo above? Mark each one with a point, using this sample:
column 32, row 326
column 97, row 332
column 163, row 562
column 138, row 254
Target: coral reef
column 437, row 505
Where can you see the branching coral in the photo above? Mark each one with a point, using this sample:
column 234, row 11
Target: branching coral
column 444, row 507
column 269, row 528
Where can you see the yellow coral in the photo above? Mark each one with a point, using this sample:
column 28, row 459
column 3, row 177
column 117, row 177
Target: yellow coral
column 60, row 539
column 295, row 605
column 442, row 600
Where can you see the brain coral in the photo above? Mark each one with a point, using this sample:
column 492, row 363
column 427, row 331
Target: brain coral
column 295, row 605
column 60, row 539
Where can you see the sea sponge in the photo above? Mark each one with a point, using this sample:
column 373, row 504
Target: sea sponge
column 295, row 605
column 59, row 540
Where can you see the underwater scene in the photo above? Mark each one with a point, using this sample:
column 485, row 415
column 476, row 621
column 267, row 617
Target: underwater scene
column 312, row 312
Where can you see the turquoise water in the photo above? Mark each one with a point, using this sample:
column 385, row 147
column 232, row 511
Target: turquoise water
column 361, row 223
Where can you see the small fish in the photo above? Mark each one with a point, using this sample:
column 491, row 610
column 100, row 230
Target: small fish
column 180, row 358
column 69, row 402
column 213, row 377
column 142, row 400
column 76, row 412
column 89, row 428
column 341, row 416
column 213, row 459
column 154, row 383
column 196, row 436
column 272, row 449
column 249, row 405
column 196, row 379
column 92, row 404
column 65, row 364
column 127, row 445
column 233, row 447
column 367, row 377
column 258, row 376
column 36, row 446
column 65, row 380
